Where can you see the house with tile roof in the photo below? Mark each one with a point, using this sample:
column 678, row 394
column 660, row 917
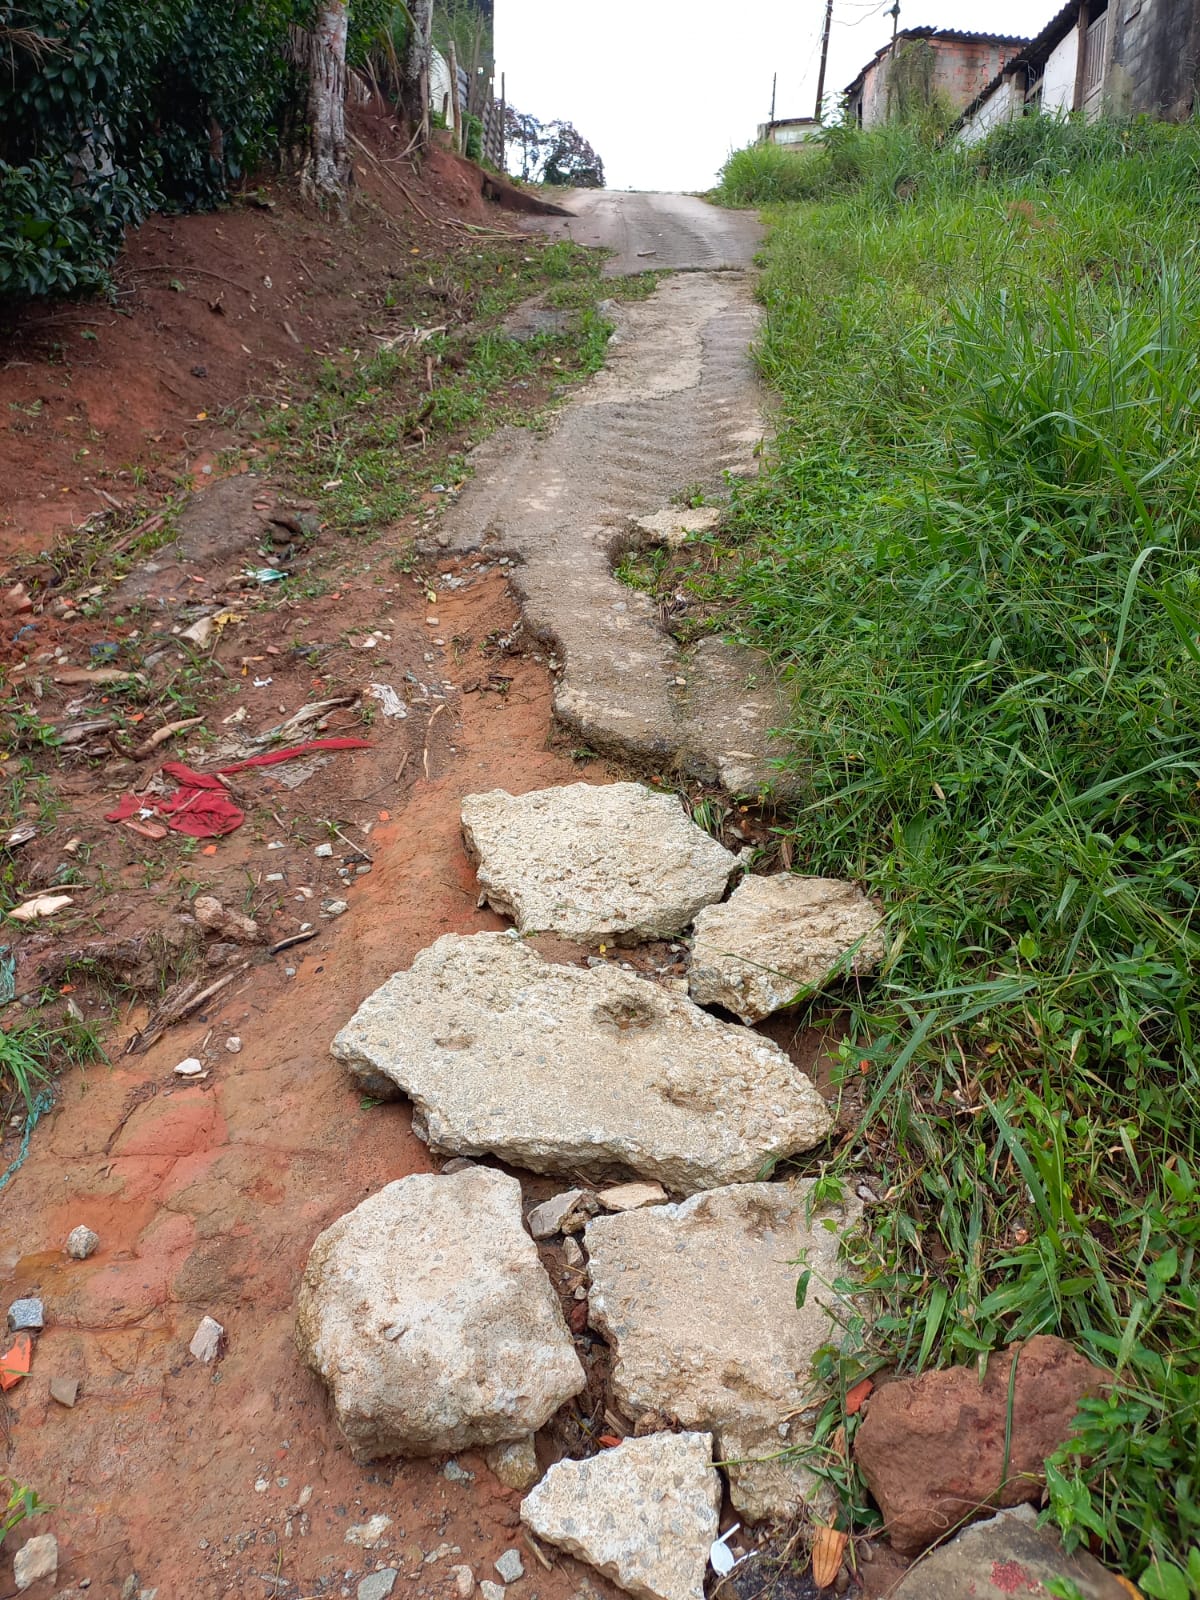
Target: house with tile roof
column 921, row 67
column 1098, row 57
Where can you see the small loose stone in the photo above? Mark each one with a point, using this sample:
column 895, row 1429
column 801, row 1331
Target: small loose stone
column 378, row 1585
column 26, row 1313
column 81, row 1243
column 36, row 1559
column 206, row 1341
column 369, row 1534
column 65, row 1391
column 510, row 1566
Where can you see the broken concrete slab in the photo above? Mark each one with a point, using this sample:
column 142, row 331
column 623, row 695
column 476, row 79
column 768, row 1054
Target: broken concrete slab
column 594, row 861
column 643, row 1514
column 431, row 1319
column 580, row 1071
column 698, row 1305
column 674, row 525
column 779, row 936
column 1009, row 1554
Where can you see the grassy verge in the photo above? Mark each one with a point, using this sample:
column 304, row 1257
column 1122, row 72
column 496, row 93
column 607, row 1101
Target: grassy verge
column 975, row 556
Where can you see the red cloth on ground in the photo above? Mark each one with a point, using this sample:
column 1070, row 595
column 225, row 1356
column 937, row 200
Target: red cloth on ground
column 202, row 806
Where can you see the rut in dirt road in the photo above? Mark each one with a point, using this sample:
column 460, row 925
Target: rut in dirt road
column 677, row 408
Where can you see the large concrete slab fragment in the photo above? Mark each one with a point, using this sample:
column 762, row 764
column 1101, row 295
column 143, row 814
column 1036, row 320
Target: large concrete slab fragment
column 430, row 1317
column 778, row 936
column 698, row 1304
column 644, row 1514
column 594, row 861
column 582, row 1071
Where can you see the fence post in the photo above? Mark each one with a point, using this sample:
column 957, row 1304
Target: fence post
column 455, row 102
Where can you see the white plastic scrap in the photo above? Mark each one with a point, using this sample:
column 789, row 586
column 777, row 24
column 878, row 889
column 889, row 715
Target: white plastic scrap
column 720, row 1557
column 390, row 702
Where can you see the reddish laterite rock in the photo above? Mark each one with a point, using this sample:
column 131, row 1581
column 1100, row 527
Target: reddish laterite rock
column 932, row 1448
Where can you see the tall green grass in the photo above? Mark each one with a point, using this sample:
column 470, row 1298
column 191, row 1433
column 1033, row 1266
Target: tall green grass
column 977, row 555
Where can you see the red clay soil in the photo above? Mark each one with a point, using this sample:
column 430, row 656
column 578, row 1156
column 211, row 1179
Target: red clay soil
column 231, row 1479
column 207, row 1196
column 209, row 310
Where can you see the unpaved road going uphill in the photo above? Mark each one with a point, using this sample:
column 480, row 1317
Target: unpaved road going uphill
column 202, row 1481
column 677, row 409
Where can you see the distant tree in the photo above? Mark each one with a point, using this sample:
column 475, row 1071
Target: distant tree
column 523, row 134
column 569, row 159
column 418, row 60
column 551, row 152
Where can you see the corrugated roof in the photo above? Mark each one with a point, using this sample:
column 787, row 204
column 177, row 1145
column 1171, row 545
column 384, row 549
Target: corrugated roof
column 1056, row 29
column 954, row 34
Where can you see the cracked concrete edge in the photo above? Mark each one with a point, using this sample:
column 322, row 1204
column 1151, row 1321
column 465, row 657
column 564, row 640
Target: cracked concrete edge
column 732, row 697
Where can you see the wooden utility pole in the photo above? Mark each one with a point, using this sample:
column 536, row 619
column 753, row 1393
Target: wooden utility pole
column 774, row 81
column 824, row 57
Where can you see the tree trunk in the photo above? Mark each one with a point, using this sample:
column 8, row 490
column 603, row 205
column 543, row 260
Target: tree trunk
column 418, row 63
column 325, row 177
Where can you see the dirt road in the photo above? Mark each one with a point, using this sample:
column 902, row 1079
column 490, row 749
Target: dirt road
column 203, row 1481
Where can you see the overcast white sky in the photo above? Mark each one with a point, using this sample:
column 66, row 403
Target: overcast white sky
column 664, row 89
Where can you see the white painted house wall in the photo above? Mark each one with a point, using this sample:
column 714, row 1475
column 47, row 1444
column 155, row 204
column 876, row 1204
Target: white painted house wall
column 1005, row 102
column 440, row 97
column 1058, row 81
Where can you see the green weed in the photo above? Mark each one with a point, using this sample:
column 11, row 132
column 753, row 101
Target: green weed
column 974, row 557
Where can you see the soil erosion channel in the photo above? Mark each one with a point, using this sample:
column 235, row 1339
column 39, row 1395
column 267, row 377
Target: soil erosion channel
column 231, row 1478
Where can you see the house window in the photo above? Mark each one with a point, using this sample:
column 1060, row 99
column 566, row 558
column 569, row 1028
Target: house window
column 1093, row 55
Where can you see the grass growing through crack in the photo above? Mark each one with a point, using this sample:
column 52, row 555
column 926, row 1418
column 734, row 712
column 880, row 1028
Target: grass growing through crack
column 378, row 432
column 975, row 556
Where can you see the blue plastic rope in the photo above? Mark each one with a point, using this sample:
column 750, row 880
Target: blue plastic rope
column 33, row 1116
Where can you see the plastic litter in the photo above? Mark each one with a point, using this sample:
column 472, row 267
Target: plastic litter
column 720, row 1557
column 390, row 702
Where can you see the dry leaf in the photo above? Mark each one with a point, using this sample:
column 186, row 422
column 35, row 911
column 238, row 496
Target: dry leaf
column 46, row 905
column 96, row 675
column 827, row 1547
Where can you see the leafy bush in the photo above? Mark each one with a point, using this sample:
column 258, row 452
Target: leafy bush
column 764, row 174
column 109, row 109
column 975, row 558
